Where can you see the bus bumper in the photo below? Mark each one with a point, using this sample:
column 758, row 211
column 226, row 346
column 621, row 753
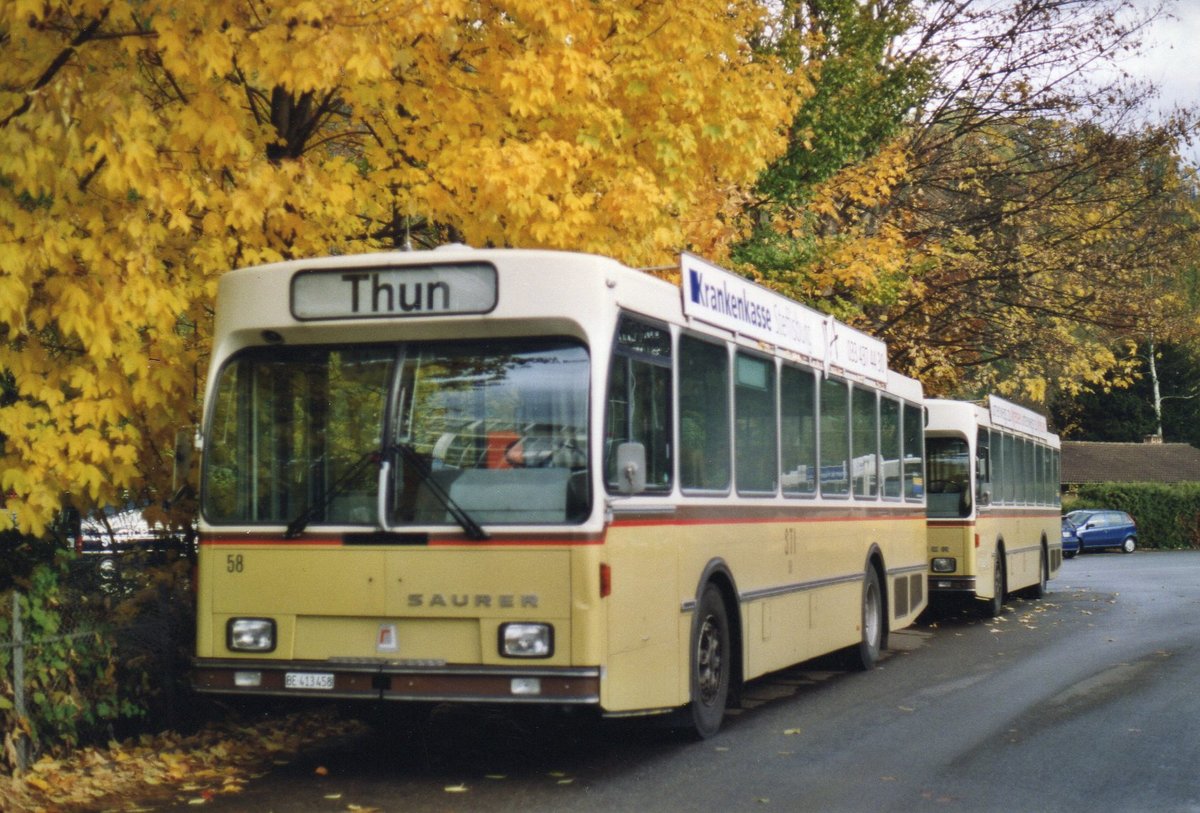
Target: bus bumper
column 947, row 585
column 392, row 681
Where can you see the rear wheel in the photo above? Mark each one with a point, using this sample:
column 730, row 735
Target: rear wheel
column 995, row 605
column 874, row 625
column 711, row 664
column 1039, row 589
column 1129, row 545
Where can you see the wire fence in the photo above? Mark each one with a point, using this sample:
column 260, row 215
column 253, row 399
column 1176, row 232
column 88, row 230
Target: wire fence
column 92, row 649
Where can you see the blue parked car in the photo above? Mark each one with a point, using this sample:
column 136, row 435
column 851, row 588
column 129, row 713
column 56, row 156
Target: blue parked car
column 1093, row 529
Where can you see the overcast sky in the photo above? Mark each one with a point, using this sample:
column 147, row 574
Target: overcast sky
column 1169, row 56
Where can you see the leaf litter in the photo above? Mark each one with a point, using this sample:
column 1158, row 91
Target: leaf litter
column 218, row 759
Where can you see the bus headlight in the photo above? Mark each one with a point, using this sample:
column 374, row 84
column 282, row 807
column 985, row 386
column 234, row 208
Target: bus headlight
column 943, row 564
column 250, row 635
column 522, row 640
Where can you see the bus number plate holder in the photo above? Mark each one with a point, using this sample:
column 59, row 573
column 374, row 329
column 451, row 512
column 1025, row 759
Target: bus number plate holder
column 308, row 680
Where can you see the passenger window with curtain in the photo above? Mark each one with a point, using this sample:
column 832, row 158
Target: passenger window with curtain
column 639, row 401
column 704, row 455
column 755, row 425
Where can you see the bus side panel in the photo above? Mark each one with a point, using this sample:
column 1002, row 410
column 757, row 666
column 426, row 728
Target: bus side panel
column 643, row 619
column 989, row 530
column 903, row 544
column 800, row 583
column 1023, row 547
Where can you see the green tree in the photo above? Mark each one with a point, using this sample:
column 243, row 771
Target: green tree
column 812, row 230
column 1127, row 414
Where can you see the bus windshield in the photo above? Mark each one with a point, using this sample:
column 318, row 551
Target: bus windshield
column 500, row 426
column 949, row 474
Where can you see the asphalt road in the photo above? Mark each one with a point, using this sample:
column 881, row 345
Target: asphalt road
column 1087, row 700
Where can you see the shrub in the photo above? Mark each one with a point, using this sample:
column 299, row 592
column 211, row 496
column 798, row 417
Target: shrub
column 106, row 646
column 70, row 684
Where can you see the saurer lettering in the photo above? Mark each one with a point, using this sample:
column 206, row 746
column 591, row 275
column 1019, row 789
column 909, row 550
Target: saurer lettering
column 478, row 600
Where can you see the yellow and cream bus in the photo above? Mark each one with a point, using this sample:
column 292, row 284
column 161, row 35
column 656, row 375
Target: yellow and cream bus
column 993, row 501
column 511, row 476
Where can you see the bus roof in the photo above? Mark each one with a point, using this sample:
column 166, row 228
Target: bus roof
column 387, row 296
column 993, row 413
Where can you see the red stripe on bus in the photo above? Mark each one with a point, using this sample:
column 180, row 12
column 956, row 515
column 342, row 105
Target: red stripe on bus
column 457, row 541
column 642, row 523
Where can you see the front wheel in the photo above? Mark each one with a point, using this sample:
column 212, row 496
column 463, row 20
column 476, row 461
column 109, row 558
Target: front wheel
column 711, row 665
column 1129, row 545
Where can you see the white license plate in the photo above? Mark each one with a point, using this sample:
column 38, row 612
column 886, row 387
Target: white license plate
column 308, row 680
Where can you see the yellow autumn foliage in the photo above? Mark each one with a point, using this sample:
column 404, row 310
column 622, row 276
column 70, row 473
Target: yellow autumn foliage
column 147, row 146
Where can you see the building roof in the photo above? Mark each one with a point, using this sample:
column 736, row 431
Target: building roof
column 1086, row 462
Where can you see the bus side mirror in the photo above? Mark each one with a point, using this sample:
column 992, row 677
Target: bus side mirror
column 631, row 468
column 985, row 493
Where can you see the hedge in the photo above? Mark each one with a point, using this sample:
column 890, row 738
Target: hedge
column 1167, row 515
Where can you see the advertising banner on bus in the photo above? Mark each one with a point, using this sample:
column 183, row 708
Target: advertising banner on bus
column 718, row 297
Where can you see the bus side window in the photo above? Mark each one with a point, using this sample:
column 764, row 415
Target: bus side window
column 890, row 445
column 755, row 425
column 639, row 401
column 914, row 452
column 835, row 437
column 798, row 396
column 704, row 462
column 864, row 438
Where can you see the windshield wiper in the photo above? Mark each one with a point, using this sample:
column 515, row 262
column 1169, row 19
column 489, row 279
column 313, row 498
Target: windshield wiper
column 473, row 529
column 339, row 487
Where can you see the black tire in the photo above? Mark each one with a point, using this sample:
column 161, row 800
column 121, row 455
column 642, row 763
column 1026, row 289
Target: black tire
column 1039, row 590
column 711, row 668
column 995, row 605
column 1129, row 545
column 865, row 655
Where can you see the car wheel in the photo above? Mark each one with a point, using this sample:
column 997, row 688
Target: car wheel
column 1129, row 545
column 711, row 664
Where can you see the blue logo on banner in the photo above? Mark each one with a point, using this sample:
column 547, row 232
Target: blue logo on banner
column 697, row 284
